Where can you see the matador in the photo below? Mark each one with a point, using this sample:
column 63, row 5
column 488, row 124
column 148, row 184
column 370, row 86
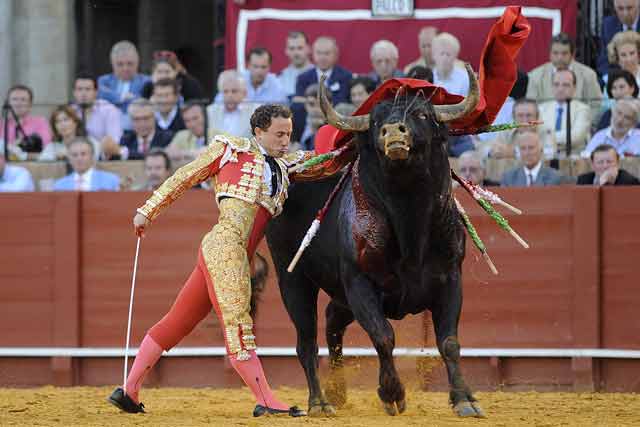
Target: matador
column 251, row 180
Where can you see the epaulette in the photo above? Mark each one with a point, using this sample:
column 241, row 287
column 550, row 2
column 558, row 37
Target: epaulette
column 238, row 144
column 291, row 159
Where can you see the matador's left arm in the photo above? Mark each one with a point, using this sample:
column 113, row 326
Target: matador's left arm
column 321, row 170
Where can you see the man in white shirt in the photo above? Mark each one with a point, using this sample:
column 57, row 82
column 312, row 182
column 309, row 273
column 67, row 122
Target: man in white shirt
column 13, row 178
column 298, row 51
column 445, row 50
column 622, row 135
column 232, row 116
column 554, row 114
column 532, row 172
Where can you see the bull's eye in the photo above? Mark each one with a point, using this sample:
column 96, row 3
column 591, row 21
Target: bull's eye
column 422, row 116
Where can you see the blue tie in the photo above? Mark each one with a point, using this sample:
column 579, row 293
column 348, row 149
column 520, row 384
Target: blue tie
column 559, row 117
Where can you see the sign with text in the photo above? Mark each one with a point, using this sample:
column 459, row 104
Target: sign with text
column 382, row 8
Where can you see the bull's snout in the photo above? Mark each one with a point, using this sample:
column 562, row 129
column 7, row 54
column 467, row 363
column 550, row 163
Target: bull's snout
column 396, row 140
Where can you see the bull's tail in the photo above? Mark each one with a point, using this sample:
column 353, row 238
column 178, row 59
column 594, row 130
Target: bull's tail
column 260, row 271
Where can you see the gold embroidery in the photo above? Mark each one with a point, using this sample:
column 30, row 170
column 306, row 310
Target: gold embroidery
column 225, row 254
column 184, row 178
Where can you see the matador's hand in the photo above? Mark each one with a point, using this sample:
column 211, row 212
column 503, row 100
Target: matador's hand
column 140, row 223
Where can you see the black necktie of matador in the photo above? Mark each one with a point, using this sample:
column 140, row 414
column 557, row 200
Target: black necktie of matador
column 275, row 174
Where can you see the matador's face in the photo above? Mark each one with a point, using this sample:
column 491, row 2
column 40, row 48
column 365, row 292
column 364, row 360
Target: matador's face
column 275, row 140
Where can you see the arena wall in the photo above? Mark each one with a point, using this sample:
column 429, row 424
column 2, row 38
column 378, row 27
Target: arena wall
column 67, row 262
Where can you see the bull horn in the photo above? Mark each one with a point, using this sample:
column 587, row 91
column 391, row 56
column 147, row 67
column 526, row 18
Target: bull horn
column 348, row 123
column 447, row 113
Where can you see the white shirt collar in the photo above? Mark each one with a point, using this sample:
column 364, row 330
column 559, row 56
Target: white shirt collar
column 84, row 178
column 534, row 172
column 165, row 123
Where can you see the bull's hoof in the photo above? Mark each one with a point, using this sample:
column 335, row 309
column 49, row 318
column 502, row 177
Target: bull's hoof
column 402, row 405
column 390, row 408
column 467, row 409
column 321, row 410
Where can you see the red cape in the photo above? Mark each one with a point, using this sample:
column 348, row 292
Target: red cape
column 498, row 73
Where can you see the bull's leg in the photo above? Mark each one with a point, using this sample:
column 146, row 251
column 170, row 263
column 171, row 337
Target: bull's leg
column 446, row 314
column 338, row 318
column 366, row 304
column 301, row 304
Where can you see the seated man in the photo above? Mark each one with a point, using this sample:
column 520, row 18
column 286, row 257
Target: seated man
column 622, row 134
column 100, row 118
column 84, row 176
column 455, row 80
column 554, row 114
column 233, row 114
column 532, row 172
column 471, row 167
column 145, row 135
column 425, row 37
column 164, row 97
column 188, row 143
column 13, row 179
column 384, row 60
column 315, row 117
column 605, row 163
column 297, row 50
column 157, row 168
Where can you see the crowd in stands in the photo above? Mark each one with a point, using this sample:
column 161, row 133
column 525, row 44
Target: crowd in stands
column 164, row 118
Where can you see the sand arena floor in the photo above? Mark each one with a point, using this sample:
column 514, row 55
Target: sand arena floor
column 86, row 406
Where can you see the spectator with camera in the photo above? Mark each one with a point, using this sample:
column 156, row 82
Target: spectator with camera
column 26, row 134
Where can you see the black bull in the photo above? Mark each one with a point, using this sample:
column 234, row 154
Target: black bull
column 391, row 244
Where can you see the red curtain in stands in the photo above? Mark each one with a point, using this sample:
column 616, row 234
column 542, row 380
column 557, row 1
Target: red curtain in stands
column 267, row 22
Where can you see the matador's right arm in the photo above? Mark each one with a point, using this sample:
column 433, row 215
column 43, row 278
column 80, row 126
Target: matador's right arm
column 221, row 149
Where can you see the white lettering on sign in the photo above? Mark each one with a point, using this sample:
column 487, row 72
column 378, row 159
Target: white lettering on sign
column 392, row 7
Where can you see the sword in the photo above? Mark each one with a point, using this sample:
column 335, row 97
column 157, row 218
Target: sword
column 133, row 288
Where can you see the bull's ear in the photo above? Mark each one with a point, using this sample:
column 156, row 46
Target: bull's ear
column 448, row 113
column 337, row 120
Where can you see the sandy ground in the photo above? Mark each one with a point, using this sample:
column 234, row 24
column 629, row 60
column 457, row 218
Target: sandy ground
column 86, row 406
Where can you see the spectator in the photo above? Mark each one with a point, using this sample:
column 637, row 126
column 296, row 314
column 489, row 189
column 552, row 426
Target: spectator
column 471, row 167
column 554, row 113
column 623, row 51
column 315, row 117
column 165, row 100
column 99, row 118
column 421, row 73
column 532, row 172
column 456, row 145
column 605, row 163
column 325, row 56
column 622, row 134
column 384, row 60
column 425, row 38
column 144, row 136
column 234, row 113
column 13, row 178
column 157, row 168
column 165, row 66
column 621, row 84
column 84, row 176
column 66, row 127
column 124, row 84
column 262, row 85
column 298, row 51
column 455, row 80
column 359, row 89
column 20, row 99
column 625, row 19
column 562, row 57
column 187, row 143
column 502, row 147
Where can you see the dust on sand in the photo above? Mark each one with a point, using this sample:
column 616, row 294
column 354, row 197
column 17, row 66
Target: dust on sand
column 86, row 406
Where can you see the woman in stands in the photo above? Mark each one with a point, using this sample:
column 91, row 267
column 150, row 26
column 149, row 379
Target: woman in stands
column 621, row 84
column 66, row 126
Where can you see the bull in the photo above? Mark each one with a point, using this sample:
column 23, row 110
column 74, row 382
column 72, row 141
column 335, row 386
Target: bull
column 391, row 244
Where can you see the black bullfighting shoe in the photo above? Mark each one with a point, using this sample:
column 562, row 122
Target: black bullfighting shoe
column 120, row 399
column 294, row 411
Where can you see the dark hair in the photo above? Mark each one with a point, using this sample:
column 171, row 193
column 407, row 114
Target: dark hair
column 261, row 118
column 602, row 148
column 622, row 74
column 523, row 101
column 295, row 34
column 21, row 87
column 368, row 83
column 86, row 76
column 65, row 109
column 159, row 153
column 313, row 90
column 190, row 104
column 421, row 73
column 258, row 51
column 167, row 83
column 568, row 70
column 563, row 38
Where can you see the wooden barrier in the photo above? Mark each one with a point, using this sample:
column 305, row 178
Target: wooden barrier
column 67, row 260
